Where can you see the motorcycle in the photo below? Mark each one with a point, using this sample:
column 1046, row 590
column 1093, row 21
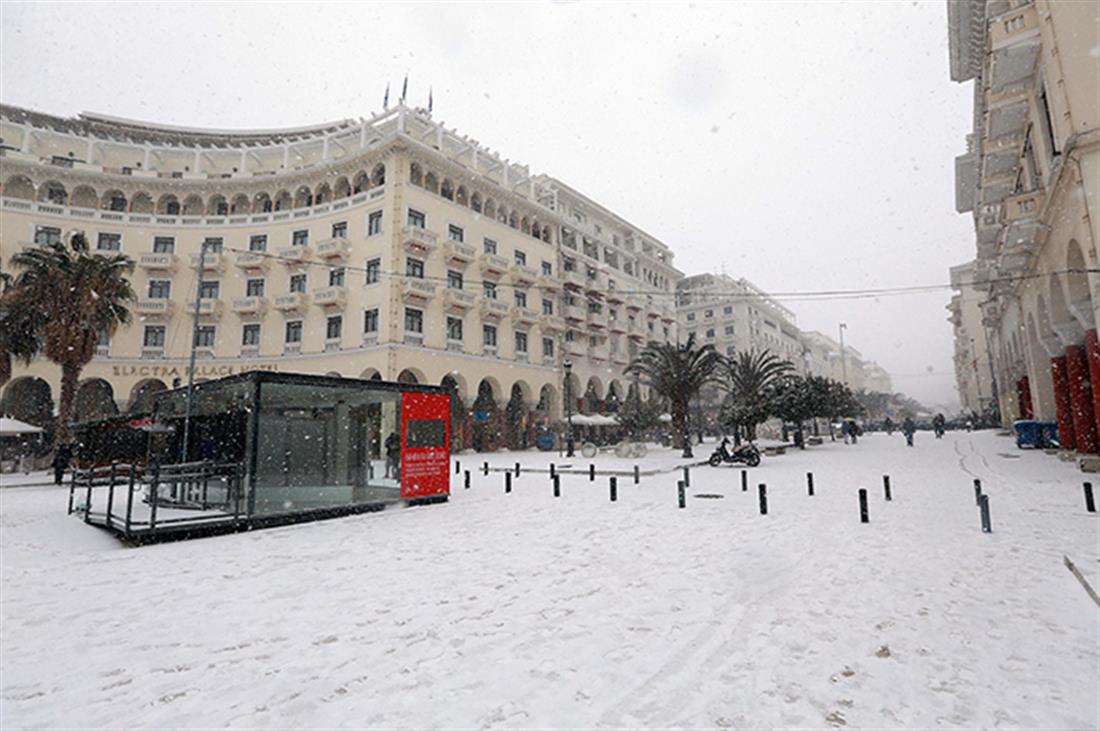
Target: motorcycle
column 747, row 453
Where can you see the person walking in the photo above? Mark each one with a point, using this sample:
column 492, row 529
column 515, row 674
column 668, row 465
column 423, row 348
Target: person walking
column 908, row 428
column 393, row 456
column 61, row 459
column 938, row 423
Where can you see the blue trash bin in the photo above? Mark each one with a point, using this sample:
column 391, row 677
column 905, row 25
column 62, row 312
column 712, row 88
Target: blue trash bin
column 1032, row 434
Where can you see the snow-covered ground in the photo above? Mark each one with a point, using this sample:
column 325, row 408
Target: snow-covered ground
column 502, row 610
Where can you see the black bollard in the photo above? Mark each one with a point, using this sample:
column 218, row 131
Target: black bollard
column 552, row 471
column 977, row 492
column 458, row 466
column 763, row 489
column 507, row 482
column 744, row 480
column 886, row 487
column 680, row 489
column 987, row 525
column 467, row 479
column 863, row 517
column 557, row 485
column 591, row 473
column 517, row 469
column 637, row 474
column 810, row 484
column 1090, row 504
column 614, row 489
column 486, row 469
column 687, row 477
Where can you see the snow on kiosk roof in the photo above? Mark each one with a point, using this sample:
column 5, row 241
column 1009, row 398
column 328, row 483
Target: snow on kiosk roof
column 270, row 448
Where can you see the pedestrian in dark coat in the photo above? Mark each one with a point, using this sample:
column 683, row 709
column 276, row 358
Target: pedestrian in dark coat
column 908, row 428
column 61, row 459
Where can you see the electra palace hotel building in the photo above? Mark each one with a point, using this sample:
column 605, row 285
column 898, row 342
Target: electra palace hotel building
column 390, row 248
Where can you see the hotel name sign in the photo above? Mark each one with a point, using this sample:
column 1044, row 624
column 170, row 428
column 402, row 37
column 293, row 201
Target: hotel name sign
column 168, row 371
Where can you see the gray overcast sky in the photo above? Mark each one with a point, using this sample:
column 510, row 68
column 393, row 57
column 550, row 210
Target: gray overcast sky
column 803, row 146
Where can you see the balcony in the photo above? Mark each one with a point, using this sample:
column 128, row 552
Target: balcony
column 548, row 283
column 417, row 291
column 252, row 260
column 1021, row 207
column 418, row 240
column 415, row 339
column 492, row 265
column 211, row 263
column 523, row 274
column 574, row 348
column 615, row 297
column 155, row 308
column 493, row 309
column 334, row 296
column 489, row 351
column 250, row 305
column 455, row 346
column 653, row 313
column 620, row 357
column 458, row 300
column 574, row 312
column 617, row 325
column 599, row 352
column 335, row 248
column 633, row 303
column 1013, row 64
column 459, row 253
column 210, row 308
column 574, row 279
column 551, row 323
column 152, row 353
column 294, row 255
column 524, row 314
column 597, row 319
column 292, row 302
column 157, row 262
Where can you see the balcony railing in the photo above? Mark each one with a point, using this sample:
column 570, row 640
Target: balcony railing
column 492, row 264
column 210, row 308
column 334, row 296
column 493, row 308
column 155, row 307
column 334, row 248
column 157, row 261
column 597, row 318
column 574, row 279
column 575, row 348
column 412, row 338
column 212, row 262
column 292, row 255
column 524, row 314
column 459, row 253
column 253, row 260
column 291, row 302
column 418, row 240
column 456, row 299
column 524, row 274
column 417, row 290
column 250, row 305
column 548, row 282
column 574, row 312
column 551, row 322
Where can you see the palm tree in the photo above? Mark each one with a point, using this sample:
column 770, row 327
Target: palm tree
column 71, row 296
column 677, row 373
column 18, row 334
column 748, row 375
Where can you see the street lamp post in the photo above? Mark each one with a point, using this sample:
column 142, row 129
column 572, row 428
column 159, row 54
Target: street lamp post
column 843, row 360
column 568, row 367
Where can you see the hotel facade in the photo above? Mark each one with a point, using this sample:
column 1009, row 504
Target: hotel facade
column 390, row 247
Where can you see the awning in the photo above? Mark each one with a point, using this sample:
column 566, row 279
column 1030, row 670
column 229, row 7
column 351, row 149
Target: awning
column 10, row 427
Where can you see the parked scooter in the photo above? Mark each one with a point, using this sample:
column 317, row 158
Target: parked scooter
column 747, row 453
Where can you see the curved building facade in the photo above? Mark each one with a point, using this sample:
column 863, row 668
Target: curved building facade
column 389, row 247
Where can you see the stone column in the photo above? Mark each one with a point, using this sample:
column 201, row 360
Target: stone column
column 1062, row 402
column 1092, row 343
column 1080, row 391
column 1027, row 410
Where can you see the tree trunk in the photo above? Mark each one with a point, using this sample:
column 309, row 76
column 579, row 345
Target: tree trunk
column 5, row 366
column 70, row 376
column 680, row 426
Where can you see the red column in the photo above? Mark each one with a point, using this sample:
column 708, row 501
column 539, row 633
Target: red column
column 1027, row 410
column 1093, row 346
column 1062, row 403
column 1080, row 392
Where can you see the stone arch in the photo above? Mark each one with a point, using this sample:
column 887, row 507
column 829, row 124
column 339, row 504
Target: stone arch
column 19, row 186
column 240, row 204
column 475, row 202
column 490, row 209
column 416, row 174
column 411, row 375
column 323, row 194
column 28, row 399
column 114, row 200
column 513, row 219
column 447, row 189
column 487, row 415
column 546, row 234
column 94, row 399
column 282, row 201
column 502, row 215
column 535, row 228
column 462, row 197
column 525, row 225
column 193, row 206
column 217, row 205
column 548, row 403
column 1041, row 383
column 370, row 374
column 169, row 205
column 378, row 175
column 262, row 203
column 303, row 197
column 84, row 196
column 593, row 395
column 1061, row 318
column 341, row 188
column 517, row 416
column 144, row 393
column 360, row 182
column 455, row 389
column 615, row 395
column 1077, row 286
column 142, row 202
column 431, row 182
column 53, row 192
column 333, row 374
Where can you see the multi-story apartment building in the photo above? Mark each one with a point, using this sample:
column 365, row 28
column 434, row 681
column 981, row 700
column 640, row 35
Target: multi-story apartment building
column 973, row 372
column 390, row 247
column 1031, row 180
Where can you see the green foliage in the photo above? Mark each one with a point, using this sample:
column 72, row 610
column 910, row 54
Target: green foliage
column 748, row 376
column 637, row 416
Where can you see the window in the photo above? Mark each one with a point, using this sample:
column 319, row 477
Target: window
column 334, row 327
column 521, row 342
column 521, row 258
column 612, row 314
column 548, row 307
column 708, row 313
column 154, row 336
column 47, row 235
column 454, row 328
column 254, row 288
column 416, row 219
column 210, row 290
column 257, row 243
column 490, row 246
column 489, row 336
column 547, row 269
column 213, row 244
column 160, row 289
column 374, row 223
column 294, row 331
column 205, row 336
column 593, row 340
column 548, row 347
column 370, row 320
column 250, row 335
column 340, row 230
column 727, row 310
column 297, row 282
column 454, row 279
column 374, row 269
column 414, row 268
column 490, row 290
column 109, row 242
column 691, row 316
column 164, row 245
column 300, row 238
column 336, row 277
column 454, row 233
column 414, row 320
column 520, row 298
column 570, row 265
column 710, row 333
column 729, row 329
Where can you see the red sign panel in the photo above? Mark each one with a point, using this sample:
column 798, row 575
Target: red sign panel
column 425, row 445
